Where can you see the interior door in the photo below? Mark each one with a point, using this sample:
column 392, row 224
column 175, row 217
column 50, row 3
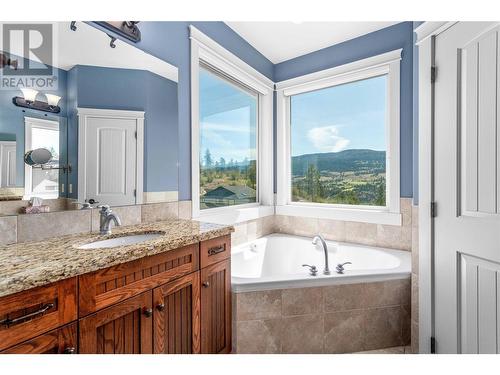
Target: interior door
column 467, row 189
column 7, row 164
column 111, row 150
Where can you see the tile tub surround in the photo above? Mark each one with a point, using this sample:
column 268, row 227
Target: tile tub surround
column 334, row 319
column 27, row 265
column 388, row 236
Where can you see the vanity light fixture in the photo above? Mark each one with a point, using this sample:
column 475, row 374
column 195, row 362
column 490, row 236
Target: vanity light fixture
column 29, row 101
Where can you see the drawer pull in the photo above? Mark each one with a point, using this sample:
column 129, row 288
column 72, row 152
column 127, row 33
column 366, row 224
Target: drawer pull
column 10, row 322
column 205, row 284
column 69, row 350
column 148, row 313
column 216, row 250
column 160, row 307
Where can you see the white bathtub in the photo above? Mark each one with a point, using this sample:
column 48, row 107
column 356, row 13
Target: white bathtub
column 275, row 262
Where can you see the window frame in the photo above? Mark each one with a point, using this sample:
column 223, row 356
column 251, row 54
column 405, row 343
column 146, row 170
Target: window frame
column 206, row 52
column 386, row 64
column 31, row 123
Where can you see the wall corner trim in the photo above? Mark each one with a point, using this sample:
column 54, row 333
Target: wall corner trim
column 430, row 28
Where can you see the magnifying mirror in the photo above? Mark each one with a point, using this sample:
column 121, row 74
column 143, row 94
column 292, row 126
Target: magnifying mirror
column 39, row 156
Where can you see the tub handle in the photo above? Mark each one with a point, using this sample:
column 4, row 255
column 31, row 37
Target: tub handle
column 340, row 267
column 313, row 271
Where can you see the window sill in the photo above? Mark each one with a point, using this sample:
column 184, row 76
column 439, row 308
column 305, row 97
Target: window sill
column 235, row 215
column 344, row 214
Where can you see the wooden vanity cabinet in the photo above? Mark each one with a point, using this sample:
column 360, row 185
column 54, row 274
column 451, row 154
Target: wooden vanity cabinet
column 124, row 328
column 175, row 302
column 59, row 341
column 176, row 327
column 216, row 308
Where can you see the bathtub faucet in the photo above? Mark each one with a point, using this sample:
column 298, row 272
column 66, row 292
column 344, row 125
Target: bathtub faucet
column 320, row 238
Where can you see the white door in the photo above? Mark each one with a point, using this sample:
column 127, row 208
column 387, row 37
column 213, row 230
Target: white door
column 7, row 164
column 467, row 189
column 111, row 156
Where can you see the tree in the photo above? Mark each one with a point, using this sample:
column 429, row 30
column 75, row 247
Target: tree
column 208, row 159
column 380, row 200
column 314, row 188
column 222, row 163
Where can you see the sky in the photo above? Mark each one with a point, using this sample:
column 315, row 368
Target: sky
column 349, row 116
column 227, row 119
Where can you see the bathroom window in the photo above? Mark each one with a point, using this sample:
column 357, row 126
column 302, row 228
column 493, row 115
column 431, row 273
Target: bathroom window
column 43, row 183
column 338, row 142
column 228, row 141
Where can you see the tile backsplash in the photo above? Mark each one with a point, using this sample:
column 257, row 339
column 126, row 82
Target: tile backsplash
column 37, row 227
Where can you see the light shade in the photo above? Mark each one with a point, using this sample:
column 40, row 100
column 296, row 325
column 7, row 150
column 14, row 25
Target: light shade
column 29, row 94
column 53, row 100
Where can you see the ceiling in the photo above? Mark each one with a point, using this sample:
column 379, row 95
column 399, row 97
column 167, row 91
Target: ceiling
column 281, row 41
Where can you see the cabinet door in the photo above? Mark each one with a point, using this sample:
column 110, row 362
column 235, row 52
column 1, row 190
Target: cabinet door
column 216, row 308
column 125, row 328
column 177, row 316
column 59, row 341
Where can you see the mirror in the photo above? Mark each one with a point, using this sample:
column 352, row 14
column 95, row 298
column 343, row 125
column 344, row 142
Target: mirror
column 102, row 126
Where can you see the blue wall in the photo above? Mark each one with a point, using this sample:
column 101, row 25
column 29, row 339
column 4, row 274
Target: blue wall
column 12, row 120
column 385, row 40
column 169, row 41
column 136, row 90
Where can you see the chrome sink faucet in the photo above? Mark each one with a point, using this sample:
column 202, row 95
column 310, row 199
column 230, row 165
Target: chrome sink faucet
column 106, row 215
column 320, row 238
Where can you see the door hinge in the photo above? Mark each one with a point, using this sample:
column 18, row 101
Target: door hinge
column 135, row 135
column 433, row 74
column 433, row 209
column 135, row 192
column 433, row 345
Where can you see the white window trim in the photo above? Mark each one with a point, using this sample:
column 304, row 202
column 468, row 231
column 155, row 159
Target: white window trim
column 29, row 124
column 83, row 115
column 387, row 63
column 204, row 49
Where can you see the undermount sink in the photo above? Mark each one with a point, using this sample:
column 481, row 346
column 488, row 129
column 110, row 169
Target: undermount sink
column 120, row 241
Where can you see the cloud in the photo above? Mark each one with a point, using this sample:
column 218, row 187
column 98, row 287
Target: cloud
column 327, row 139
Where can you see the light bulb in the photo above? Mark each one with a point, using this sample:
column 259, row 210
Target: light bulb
column 29, row 94
column 53, row 100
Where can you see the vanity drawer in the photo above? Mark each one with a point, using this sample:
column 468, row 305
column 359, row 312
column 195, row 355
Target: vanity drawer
column 106, row 287
column 28, row 314
column 215, row 250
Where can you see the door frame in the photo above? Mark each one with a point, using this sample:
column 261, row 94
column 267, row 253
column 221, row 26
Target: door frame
column 426, row 34
column 86, row 113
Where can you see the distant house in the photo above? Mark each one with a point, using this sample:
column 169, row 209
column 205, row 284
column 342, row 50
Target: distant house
column 227, row 195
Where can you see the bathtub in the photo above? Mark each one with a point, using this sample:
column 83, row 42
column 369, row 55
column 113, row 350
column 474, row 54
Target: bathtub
column 275, row 262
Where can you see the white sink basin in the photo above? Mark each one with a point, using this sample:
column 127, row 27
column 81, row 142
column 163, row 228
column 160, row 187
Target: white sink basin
column 120, row 241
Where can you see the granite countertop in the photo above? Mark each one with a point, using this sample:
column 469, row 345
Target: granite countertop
column 27, row 265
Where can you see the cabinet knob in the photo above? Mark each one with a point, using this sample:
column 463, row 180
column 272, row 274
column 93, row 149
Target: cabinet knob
column 206, row 284
column 160, row 307
column 69, row 350
column 148, row 313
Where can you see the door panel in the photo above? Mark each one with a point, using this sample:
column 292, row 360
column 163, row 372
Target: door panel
column 7, row 164
column 216, row 308
column 177, row 316
column 111, row 160
column 125, row 328
column 467, row 227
